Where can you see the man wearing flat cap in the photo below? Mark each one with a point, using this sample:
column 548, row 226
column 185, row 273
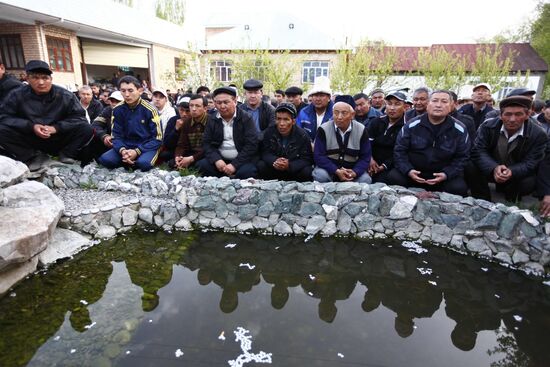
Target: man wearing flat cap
column 230, row 139
column 263, row 113
column 508, row 150
column 294, row 96
column 286, row 149
column 479, row 108
column 41, row 118
column 342, row 150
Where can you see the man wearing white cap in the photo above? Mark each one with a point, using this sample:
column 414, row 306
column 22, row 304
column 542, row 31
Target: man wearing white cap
column 320, row 109
column 164, row 108
column 102, row 126
column 479, row 108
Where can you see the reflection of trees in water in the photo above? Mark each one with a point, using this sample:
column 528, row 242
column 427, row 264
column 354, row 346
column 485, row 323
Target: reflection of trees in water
column 513, row 356
column 329, row 271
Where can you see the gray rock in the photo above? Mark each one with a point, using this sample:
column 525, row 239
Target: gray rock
column 11, row 171
column 242, row 197
column 129, row 217
column 490, row 221
column 441, row 233
column 348, row 187
column 344, row 222
column 170, row 215
column 451, row 220
column 116, row 218
column 520, row 257
column 533, row 268
column 457, row 241
column 266, row 209
column 245, row 227
column 354, row 209
column 328, row 199
column 528, row 230
column 344, row 200
column 105, row 232
column 403, row 207
column 309, row 209
column 233, row 221
column 449, row 198
column 273, row 219
column 146, row 215
column 313, row 197
column 315, row 224
column 157, row 219
column 386, row 204
column 217, row 223
column 247, row 212
column 260, row 222
column 503, row 257
column 477, row 245
column 183, row 225
column 29, row 213
column 16, row 273
column 64, row 243
column 282, row 228
column 329, row 229
column 297, row 229
column 509, row 225
column 204, row 203
column 364, row 222
column 331, row 211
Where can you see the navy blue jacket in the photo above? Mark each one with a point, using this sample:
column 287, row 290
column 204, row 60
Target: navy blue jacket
column 136, row 127
column 244, row 136
column 7, row 83
column 383, row 139
column 526, row 155
column 418, row 148
column 307, row 119
column 479, row 116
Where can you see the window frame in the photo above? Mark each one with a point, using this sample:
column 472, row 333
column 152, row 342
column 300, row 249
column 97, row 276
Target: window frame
column 16, row 53
column 52, row 44
column 311, row 69
column 220, row 68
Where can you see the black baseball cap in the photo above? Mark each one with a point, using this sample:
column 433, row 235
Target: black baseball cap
column 287, row 107
column 294, row 91
column 226, row 90
column 38, row 66
column 397, row 95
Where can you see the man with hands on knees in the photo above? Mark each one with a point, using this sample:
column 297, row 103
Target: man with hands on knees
column 431, row 151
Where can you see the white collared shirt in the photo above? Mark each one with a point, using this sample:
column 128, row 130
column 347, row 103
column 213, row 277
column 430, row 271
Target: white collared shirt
column 227, row 149
column 343, row 133
column 513, row 137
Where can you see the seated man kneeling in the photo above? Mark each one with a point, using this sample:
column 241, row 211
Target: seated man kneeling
column 286, row 149
column 137, row 133
column 42, row 118
column 342, row 149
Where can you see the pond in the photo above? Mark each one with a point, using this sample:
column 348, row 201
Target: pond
column 183, row 299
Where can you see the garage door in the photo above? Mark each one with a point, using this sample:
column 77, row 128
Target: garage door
column 113, row 54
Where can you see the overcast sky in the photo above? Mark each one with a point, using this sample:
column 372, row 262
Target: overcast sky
column 399, row 22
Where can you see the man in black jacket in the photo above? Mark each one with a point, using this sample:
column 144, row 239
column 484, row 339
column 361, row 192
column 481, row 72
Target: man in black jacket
column 383, row 132
column 431, row 151
column 286, row 149
column 508, row 150
column 479, row 108
column 230, row 139
column 42, row 117
column 7, row 83
column 263, row 113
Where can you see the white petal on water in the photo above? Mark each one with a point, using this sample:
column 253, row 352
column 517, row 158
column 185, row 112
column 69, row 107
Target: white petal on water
column 425, row 271
column 311, row 277
column 340, row 355
column 73, row 350
column 432, row 282
column 83, row 302
column 247, row 265
column 414, row 247
column 546, row 283
column 243, row 336
column 150, row 320
column 518, row 318
column 128, row 352
column 485, row 269
column 497, row 296
column 179, row 353
column 57, row 338
column 310, row 293
column 222, row 335
column 90, row 326
column 13, row 294
column 230, row 245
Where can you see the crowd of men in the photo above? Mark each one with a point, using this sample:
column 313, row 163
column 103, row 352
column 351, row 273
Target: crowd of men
column 428, row 141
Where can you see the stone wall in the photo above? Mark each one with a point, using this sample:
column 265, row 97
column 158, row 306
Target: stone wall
column 163, row 199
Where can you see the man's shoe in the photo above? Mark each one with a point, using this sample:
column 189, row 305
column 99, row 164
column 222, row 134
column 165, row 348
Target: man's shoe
column 67, row 160
column 38, row 162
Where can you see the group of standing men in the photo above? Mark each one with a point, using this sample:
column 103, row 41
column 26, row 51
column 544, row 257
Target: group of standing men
column 345, row 138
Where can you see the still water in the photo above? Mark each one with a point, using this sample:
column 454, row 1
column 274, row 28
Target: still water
column 156, row 299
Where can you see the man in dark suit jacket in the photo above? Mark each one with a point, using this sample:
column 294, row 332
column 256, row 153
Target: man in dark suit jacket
column 230, row 140
column 263, row 113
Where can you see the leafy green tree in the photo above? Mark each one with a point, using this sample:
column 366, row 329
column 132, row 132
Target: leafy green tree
column 492, row 66
column 371, row 64
column 540, row 38
column 441, row 69
column 171, row 10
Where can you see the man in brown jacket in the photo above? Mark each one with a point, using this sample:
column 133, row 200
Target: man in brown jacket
column 189, row 148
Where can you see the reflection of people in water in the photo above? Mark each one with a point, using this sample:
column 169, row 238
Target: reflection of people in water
column 279, row 296
column 229, row 300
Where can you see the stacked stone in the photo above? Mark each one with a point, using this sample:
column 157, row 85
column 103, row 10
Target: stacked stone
column 164, row 200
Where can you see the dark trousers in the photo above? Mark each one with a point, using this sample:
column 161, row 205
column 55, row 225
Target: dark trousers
column 206, row 168
column 113, row 159
column 381, row 177
column 24, row 146
column 455, row 185
column 513, row 189
column 267, row 172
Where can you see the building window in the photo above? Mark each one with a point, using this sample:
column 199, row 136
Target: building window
column 221, row 70
column 11, row 51
column 59, row 51
column 313, row 69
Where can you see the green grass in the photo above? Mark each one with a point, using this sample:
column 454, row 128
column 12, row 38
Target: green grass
column 189, row 172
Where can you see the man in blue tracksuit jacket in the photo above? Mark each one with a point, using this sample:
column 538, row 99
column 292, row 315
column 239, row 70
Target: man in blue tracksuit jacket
column 319, row 110
column 136, row 130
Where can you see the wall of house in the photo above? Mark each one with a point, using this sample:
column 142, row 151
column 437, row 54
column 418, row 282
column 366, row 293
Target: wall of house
column 163, row 66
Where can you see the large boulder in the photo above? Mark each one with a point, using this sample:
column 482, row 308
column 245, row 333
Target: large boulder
column 64, row 243
column 29, row 213
column 11, row 172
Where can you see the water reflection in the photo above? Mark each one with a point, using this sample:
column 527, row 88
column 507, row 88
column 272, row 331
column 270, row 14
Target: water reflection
column 339, row 276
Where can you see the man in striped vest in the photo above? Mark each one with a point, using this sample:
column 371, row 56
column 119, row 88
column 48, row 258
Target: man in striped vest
column 342, row 150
